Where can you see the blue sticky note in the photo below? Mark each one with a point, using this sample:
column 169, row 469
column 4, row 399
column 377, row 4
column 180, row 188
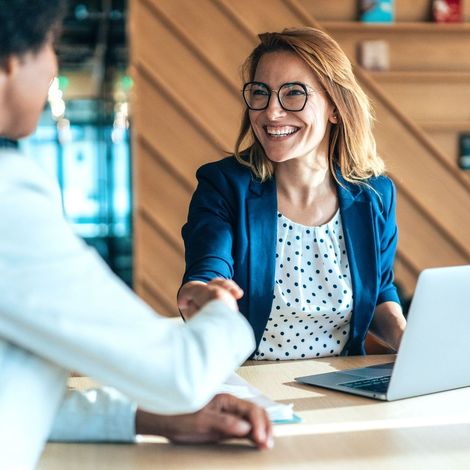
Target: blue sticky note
column 295, row 419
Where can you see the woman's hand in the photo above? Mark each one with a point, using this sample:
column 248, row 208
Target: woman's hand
column 224, row 417
column 195, row 294
column 388, row 324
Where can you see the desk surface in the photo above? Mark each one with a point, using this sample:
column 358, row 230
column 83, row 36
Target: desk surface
column 338, row 430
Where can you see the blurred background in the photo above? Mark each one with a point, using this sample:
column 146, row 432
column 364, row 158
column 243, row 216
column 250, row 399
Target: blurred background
column 83, row 137
column 162, row 78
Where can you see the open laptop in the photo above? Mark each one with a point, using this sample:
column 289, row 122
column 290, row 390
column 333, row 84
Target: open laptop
column 434, row 353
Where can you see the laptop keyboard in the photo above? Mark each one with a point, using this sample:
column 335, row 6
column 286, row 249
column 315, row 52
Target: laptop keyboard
column 377, row 384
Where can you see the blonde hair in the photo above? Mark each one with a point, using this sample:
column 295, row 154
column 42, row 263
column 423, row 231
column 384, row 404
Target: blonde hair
column 352, row 147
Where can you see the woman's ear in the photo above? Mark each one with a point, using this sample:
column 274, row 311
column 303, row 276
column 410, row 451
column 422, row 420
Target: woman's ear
column 333, row 116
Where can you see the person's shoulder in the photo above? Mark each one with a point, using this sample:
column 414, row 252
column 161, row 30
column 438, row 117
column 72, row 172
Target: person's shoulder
column 373, row 188
column 382, row 183
column 22, row 173
column 381, row 192
column 382, row 186
column 229, row 168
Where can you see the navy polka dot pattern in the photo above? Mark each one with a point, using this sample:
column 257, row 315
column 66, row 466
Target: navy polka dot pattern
column 313, row 297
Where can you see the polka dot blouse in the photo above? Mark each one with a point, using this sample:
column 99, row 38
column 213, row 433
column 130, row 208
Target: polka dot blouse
column 313, row 297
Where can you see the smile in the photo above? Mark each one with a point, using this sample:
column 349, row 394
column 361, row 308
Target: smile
column 280, row 131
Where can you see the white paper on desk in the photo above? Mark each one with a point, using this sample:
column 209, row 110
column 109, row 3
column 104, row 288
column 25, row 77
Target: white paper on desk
column 240, row 388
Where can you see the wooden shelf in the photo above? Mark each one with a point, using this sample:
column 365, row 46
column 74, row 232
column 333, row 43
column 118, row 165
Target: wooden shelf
column 455, row 126
column 424, row 27
column 421, row 75
column 406, row 11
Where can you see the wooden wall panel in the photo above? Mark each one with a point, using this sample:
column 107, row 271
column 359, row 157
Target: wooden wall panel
column 186, row 78
column 215, row 35
column 263, row 15
column 168, row 211
column 174, row 132
column 433, row 188
column 447, row 139
column 185, row 59
column 160, row 265
column 327, row 10
column 423, row 239
column 429, row 97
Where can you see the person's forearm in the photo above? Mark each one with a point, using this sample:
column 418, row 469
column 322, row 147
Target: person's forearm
column 182, row 298
column 61, row 302
column 389, row 323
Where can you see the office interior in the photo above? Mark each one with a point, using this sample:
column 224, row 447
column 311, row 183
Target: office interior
column 148, row 91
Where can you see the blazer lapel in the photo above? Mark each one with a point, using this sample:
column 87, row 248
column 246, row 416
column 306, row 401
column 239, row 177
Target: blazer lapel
column 358, row 227
column 262, row 230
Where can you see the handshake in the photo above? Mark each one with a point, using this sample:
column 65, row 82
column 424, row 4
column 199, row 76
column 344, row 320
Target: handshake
column 225, row 416
column 195, row 294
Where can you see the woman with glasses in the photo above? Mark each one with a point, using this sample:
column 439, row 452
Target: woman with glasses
column 300, row 222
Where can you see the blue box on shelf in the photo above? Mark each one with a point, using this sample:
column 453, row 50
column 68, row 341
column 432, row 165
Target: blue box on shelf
column 377, row 11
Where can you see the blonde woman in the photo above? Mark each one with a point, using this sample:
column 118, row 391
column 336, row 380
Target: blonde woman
column 300, row 223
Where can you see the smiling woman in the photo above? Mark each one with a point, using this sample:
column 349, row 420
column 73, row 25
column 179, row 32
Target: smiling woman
column 302, row 219
column 319, row 58
column 288, row 132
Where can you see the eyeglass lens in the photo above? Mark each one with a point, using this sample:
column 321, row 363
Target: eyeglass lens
column 292, row 96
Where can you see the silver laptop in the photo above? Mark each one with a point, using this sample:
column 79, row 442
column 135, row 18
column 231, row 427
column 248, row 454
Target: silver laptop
column 434, row 353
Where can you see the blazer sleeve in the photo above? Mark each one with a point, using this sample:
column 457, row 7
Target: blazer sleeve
column 208, row 233
column 388, row 247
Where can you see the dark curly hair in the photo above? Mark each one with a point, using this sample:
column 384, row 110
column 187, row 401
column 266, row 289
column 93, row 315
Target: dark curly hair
column 25, row 25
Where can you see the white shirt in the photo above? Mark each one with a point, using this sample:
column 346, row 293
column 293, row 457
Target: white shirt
column 313, row 297
column 62, row 309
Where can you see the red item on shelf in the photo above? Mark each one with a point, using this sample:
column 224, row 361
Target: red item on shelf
column 447, row 11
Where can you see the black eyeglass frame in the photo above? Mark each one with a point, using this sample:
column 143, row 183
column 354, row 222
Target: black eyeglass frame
column 308, row 91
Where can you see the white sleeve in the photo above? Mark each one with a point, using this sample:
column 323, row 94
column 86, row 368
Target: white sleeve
column 60, row 301
column 95, row 415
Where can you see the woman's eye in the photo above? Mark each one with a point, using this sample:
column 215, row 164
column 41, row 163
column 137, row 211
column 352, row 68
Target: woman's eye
column 295, row 93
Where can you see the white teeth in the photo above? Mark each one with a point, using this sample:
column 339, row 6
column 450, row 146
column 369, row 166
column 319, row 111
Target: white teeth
column 281, row 131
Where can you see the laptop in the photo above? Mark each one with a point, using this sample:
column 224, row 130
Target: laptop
column 434, row 353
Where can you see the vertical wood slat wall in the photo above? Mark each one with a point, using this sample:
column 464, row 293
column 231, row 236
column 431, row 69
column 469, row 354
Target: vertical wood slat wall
column 185, row 59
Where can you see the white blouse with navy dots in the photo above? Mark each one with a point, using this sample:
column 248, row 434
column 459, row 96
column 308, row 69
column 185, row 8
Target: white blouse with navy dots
column 313, row 297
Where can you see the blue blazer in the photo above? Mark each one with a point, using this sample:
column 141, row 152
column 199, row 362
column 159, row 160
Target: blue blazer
column 231, row 233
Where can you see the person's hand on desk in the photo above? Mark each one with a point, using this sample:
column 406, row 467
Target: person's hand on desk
column 224, row 417
column 195, row 294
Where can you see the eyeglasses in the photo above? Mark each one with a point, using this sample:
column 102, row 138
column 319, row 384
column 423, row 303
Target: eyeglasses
column 292, row 96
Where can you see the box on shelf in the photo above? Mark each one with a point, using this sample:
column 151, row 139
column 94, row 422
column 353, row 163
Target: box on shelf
column 464, row 151
column 374, row 55
column 447, row 11
column 376, row 11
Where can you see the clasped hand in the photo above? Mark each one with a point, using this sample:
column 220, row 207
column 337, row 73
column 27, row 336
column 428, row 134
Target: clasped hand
column 195, row 294
column 224, row 417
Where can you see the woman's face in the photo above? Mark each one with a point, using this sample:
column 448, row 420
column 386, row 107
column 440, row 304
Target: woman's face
column 25, row 90
column 287, row 135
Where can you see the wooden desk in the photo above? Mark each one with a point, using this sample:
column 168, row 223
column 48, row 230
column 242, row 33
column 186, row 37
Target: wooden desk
column 338, row 431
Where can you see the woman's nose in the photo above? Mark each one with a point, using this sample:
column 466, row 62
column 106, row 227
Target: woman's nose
column 274, row 109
